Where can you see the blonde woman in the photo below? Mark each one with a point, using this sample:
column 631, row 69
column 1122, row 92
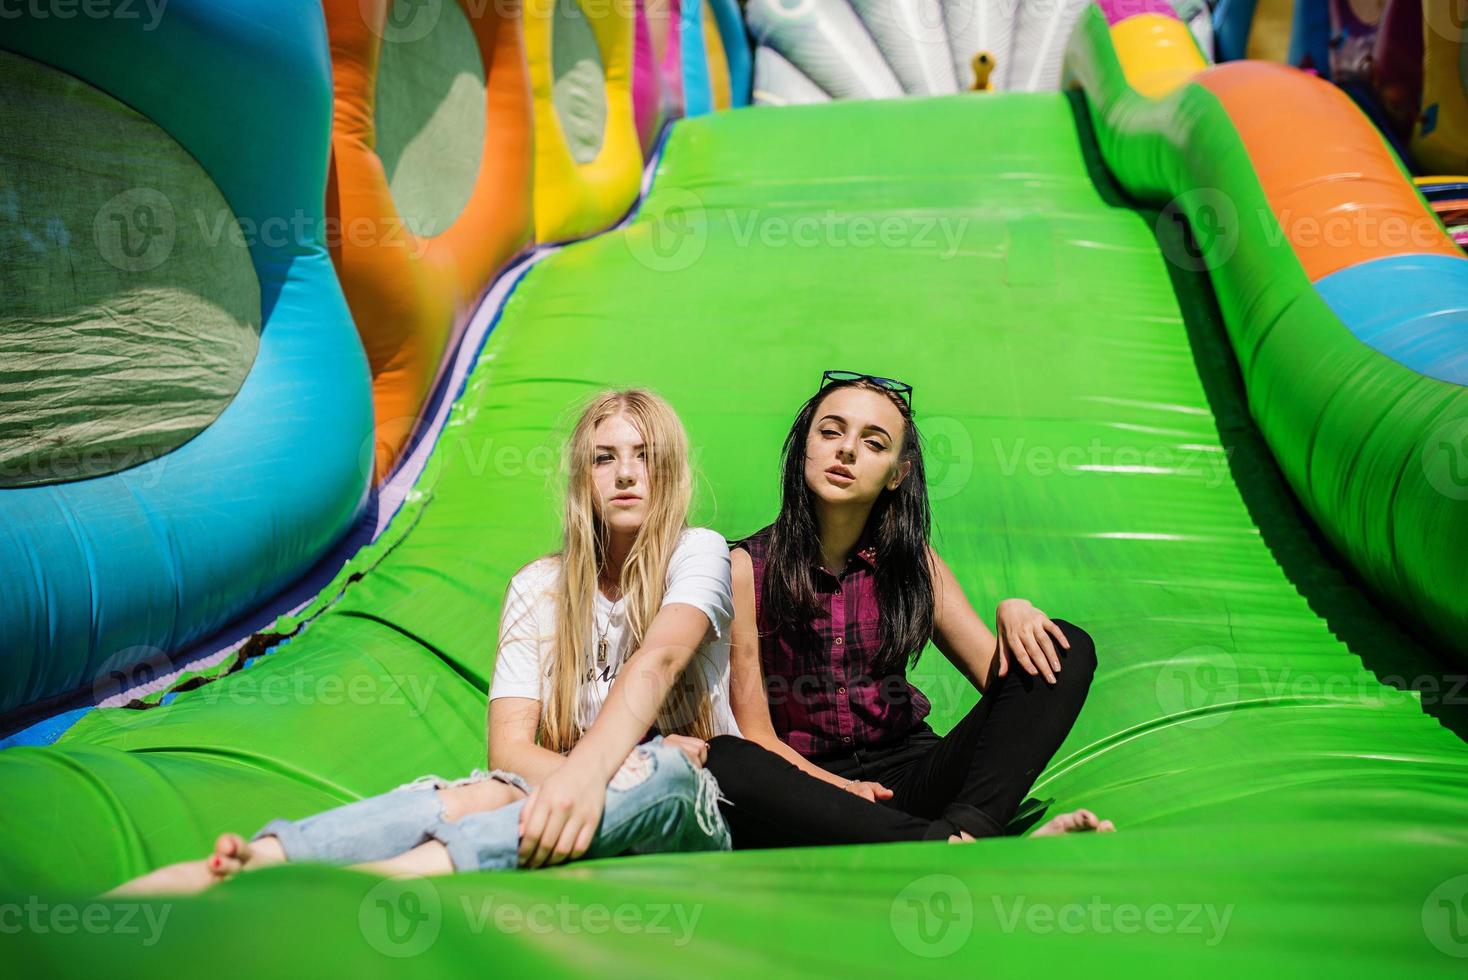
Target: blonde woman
column 612, row 674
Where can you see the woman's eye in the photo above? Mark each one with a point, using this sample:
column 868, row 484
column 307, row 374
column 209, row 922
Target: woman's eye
column 876, row 445
column 830, row 433
column 642, row 455
column 604, row 457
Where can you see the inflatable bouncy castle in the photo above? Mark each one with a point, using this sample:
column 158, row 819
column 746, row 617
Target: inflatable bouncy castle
column 298, row 296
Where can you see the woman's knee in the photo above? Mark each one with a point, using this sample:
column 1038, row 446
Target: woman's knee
column 666, row 767
column 1080, row 658
column 733, row 761
column 488, row 794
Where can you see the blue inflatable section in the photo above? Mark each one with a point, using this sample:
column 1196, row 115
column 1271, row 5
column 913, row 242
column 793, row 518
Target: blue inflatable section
column 1232, row 20
column 736, row 50
column 1310, row 36
column 1412, row 308
column 698, row 98
column 105, row 573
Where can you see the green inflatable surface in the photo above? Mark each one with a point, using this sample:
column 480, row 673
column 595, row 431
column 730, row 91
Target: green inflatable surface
column 1285, row 801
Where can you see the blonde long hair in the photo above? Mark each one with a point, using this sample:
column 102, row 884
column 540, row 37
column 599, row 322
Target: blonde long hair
column 687, row 708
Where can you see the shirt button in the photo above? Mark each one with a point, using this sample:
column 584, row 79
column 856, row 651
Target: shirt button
column 838, row 641
column 838, row 592
column 840, row 690
column 845, row 738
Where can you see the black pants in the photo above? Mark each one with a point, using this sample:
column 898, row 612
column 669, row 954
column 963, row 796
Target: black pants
column 974, row 778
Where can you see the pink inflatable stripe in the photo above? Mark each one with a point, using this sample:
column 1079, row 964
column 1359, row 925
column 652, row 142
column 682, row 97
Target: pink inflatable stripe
column 646, row 81
column 1117, row 11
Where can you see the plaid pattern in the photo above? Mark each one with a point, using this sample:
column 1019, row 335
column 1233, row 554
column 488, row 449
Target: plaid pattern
column 826, row 701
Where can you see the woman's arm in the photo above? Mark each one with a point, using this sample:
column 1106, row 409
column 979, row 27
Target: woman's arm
column 958, row 631
column 513, row 725
column 747, row 693
column 562, row 815
column 979, row 654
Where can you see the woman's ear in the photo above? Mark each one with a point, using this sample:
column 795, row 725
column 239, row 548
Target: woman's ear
column 903, row 468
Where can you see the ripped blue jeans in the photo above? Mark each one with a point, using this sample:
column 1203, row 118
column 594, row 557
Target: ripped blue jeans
column 658, row 801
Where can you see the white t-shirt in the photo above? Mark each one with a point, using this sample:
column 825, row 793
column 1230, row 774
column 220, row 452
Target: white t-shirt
column 698, row 574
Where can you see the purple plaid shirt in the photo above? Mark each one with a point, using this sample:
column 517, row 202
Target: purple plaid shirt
column 826, row 701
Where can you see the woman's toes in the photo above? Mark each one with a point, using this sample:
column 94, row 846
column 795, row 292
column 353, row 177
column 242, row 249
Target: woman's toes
column 230, row 855
column 221, row 867
column 1075, row 822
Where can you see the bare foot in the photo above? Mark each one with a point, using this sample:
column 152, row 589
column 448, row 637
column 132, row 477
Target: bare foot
column 232, row 854
column 1079, row 821
column 962, row 837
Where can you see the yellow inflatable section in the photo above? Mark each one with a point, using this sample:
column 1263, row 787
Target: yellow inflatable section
column 1440, row 134
column 587, row 160
column 1157, row 53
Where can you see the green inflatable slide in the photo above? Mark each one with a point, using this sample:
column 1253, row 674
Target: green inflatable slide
column 1277, row 726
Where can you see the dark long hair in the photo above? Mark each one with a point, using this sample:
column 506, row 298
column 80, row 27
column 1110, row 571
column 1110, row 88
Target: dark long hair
column 901, row 521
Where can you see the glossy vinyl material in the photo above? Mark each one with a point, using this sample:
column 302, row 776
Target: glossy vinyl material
column 410, row 294
column 100, row 575
column 1284, row 761
column 1413, row 308
column 574, row 199
column 1374, row 450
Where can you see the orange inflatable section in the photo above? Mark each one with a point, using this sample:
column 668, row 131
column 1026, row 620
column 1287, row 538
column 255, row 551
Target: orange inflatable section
column 1345, row 201
column 411, row 296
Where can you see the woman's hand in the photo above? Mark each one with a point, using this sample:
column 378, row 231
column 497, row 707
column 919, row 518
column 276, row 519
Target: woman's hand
column 561, row 816
column 1024, row 632
column 696, row 749
column 868, row 790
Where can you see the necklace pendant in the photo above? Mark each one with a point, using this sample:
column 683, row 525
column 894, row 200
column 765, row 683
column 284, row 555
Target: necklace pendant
column 601, row 652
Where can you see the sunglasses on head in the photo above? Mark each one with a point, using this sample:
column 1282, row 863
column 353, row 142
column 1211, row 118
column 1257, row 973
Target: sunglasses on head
column 900, row 388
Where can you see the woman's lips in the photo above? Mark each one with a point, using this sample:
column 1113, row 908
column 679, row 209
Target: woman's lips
column 625, row 500
column 840, row 476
